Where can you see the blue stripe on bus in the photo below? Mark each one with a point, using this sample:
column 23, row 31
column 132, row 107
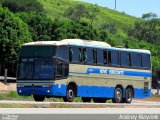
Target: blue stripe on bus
column 114, row 72
column 83, row 91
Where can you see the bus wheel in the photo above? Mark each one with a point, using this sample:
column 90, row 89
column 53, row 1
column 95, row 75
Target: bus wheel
column 99, row 100
column 86, row 99
column 128, row 95
column 117, row 95
column 70, row 94
column 39, row 98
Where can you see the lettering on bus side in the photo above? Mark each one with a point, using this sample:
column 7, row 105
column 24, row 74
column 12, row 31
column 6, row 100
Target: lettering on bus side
column 116, row 72
column 105, row 71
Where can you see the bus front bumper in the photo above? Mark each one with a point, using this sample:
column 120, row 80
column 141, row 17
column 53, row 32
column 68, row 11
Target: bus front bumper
column 46, row 90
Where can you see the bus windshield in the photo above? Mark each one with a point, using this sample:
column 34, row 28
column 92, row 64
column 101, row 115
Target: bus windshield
column 36, row 63
column 37, row 69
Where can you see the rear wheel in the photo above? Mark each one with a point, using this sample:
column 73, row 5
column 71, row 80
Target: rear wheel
column 99, row 100
column 85, row 99
column 70, row 94
column 128, row 95
column 39, row 98
column 117, row 95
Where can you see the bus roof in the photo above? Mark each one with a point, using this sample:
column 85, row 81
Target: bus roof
column 77, row 42
column 86, row 43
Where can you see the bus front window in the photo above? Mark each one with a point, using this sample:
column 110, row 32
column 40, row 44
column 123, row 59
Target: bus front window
column 36, row 63
column 38, row 69
column 43, row 69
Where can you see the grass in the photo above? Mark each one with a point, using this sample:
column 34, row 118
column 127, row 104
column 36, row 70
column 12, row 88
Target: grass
column 12, row 95
column 57, row 8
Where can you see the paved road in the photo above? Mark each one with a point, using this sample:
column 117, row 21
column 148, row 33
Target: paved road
column 79, row 114
column 107, row 113
column 80, row 110
column 134, row 103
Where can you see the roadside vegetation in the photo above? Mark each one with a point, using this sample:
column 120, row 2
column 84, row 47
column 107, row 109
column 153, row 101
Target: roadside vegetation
column 12, row 95
column 23, row 21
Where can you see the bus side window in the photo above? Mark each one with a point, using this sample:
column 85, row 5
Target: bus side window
column 100, row 59
column 109, row 57
column 115, row 58
column 89, row 56
column 125, row 59
column 136, row 60
column 80, row 55
column 105, row 56
column 74, row 54
column 70, row 54
column 146, row 63
column 94, row 56
column 84, row 55
column 63, row 52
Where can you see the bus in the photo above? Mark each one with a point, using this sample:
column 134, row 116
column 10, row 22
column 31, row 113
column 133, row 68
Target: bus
column 92, row 70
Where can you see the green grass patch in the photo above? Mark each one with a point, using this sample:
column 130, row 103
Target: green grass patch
column 12, row 106
column 12, row 95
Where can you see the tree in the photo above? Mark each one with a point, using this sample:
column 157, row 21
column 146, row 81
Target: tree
column 13, row 33
column 22, row 5
column 149, row 16
column 39, row 25
column 147, row 30
column 77, row 12
column 109, row 27
column 92, row 14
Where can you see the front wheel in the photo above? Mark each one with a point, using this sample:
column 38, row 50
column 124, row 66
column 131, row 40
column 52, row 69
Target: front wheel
column 70, row 94
column 117, row 95
column 128, row 95
column 39, row 98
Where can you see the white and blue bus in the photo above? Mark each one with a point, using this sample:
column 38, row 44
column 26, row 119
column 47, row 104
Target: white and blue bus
column 79, row 68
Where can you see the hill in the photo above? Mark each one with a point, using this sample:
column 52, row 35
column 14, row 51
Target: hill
column 57, row 9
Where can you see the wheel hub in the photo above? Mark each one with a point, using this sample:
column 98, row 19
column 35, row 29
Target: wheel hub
column 118, row 95
column 70, row 93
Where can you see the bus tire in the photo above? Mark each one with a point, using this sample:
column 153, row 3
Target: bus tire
column 86, row 99
column 117, row 95
column 70, row 94
column 128, row 95
column 39, row 98
column 99, row 100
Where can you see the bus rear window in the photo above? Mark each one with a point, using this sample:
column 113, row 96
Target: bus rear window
column 38, row 51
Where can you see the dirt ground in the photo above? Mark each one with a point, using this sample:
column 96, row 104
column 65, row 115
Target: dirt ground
column 7, row 87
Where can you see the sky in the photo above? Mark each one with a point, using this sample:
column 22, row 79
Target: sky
column 131, row 7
